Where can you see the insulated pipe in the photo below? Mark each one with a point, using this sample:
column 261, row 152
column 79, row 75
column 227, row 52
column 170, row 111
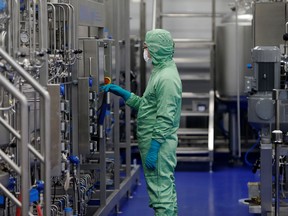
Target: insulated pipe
column 46, row 135
column 23, row 143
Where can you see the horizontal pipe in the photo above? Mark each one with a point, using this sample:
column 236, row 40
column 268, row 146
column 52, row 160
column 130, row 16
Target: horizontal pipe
column 10, row 162
column 10, row 195
column 11, row 129
column 36, row 153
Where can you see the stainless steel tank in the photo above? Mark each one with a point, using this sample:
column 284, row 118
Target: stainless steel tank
column 233, row 53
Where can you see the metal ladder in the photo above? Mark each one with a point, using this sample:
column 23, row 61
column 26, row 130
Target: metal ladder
column 196, row 144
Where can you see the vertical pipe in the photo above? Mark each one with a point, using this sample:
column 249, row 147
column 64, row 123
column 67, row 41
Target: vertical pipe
column 277, row 174
column 276, row 132
column 286, row 44
column 127, row 85
column 34, row 27
column 10, row 29
column 154, row 18
column 73, row 26
column 117, row 29
column 54, row 27
column 238, row 134
column 278, row 140
column 16, row 26
column 142, row 39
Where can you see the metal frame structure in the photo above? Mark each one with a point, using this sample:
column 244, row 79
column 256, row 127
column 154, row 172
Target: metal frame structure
column 198, row 153
column 86, row 149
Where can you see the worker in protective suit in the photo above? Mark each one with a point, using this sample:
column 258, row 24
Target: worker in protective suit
column 158, row 120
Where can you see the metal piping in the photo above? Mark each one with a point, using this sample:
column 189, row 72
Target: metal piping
column 16, row 26
column 36, row 153
column 54, row 26
column 7, row 192
column 11, row 163
column 64, row 31
column 69, row 22
column 154, row 19
column 6, row 108
column 238, row 87
column 9, row 29
column 286, row 48
column 34, row 27
column 23, row 142
column 46, row 134
column 74, row 25
column 11, row 129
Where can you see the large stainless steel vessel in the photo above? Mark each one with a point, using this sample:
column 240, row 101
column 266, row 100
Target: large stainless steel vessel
column 233, row 53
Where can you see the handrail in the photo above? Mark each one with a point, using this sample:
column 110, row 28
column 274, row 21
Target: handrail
column 11, row 129
column 23, row 145
column 211, row 127
column 46, row 134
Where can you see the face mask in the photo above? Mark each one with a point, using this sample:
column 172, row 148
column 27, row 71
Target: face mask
column 145, row 56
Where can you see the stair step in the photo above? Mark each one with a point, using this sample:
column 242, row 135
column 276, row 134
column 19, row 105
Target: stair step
column 191, row 60
column 195, row 76
column 192, row 131
column 193, row 113
column 192, row 150
column 194, row 159
column 195, row 95
column 190, row 14
column 193, row 43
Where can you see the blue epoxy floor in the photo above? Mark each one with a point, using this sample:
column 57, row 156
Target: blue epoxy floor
column 201, row 193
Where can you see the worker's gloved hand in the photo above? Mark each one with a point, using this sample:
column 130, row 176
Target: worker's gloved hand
column 152, row 155
column 117, row 90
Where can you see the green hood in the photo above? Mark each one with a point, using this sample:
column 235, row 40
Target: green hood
column 160, row 45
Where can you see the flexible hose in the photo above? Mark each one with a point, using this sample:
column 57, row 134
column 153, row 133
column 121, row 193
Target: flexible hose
column 250, row 150
column 18, row 209
column 39, row 210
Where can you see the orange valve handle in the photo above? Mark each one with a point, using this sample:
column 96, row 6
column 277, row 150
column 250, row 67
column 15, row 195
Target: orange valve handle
column 107, row 80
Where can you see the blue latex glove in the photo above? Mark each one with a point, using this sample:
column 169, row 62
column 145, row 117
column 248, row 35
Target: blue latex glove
column 152, row 155
column 117, row 90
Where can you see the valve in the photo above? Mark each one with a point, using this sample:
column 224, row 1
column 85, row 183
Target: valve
column 78, row 51
column 74, row 160
column 285, row 37
column 40, row 185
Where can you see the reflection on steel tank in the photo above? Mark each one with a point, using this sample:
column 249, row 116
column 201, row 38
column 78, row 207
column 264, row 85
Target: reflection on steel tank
column 233, row 51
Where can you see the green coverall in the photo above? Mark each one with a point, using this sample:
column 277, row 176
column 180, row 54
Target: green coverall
column 158, row 118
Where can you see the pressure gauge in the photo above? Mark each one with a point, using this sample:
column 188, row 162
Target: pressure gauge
column 24, row 37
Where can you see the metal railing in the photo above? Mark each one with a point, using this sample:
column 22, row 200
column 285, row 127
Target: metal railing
column 44, row 155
